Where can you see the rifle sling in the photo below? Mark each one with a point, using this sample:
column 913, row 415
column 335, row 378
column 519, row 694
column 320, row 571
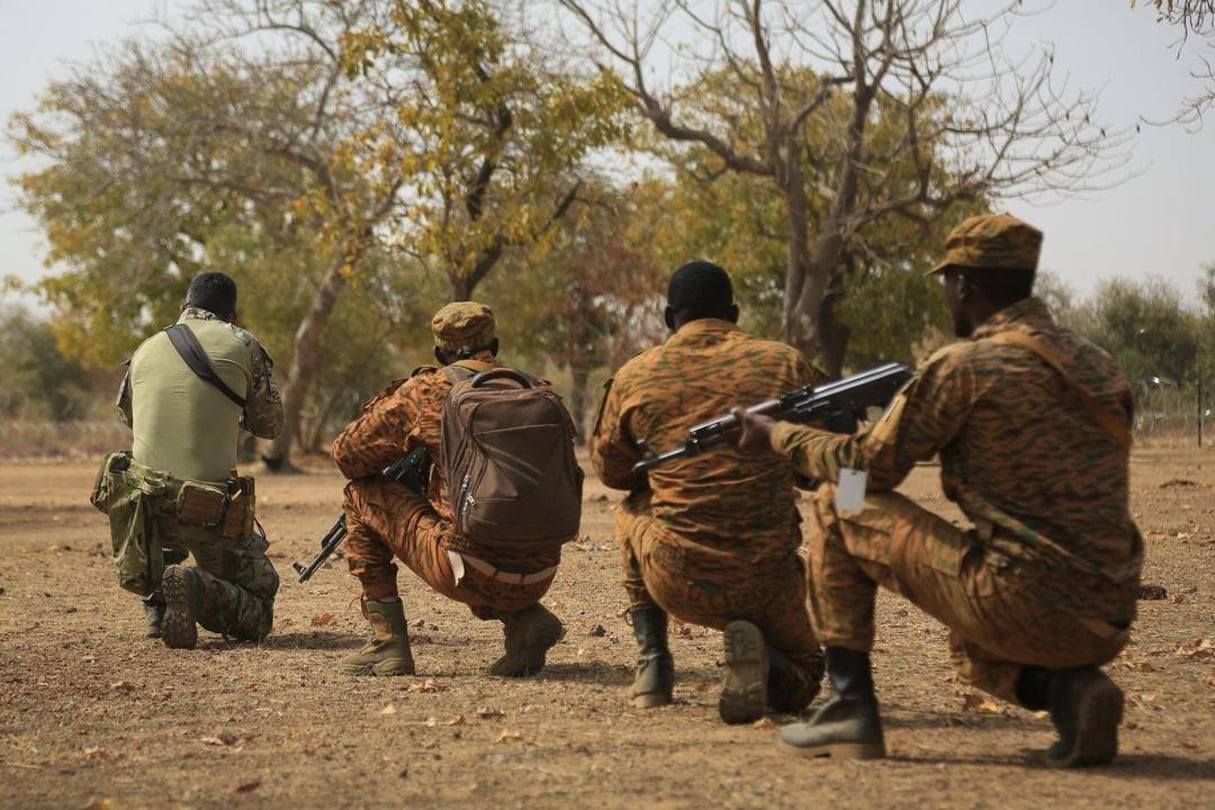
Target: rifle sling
column 1118, row 430
column 192, row 352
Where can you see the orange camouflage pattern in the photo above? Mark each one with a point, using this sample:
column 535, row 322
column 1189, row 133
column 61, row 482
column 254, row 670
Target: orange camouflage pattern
column 992, row 242
column 381, row 515
column 1050, row 572
column 713, row 538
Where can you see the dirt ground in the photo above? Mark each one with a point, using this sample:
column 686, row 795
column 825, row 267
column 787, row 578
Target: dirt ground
column 94, row 715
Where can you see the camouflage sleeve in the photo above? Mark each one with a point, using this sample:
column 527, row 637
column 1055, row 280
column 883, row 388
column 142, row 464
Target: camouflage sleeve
column 379, row 436
column 923, row 418
column 263, row 415
column 124, row 397
column 613, row 450
column 808, row 373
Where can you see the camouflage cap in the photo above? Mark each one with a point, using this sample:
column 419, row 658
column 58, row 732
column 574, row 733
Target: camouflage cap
column 463, row 324
column 994, row 241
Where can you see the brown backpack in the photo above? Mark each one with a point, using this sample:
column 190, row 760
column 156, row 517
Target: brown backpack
column 509, row 456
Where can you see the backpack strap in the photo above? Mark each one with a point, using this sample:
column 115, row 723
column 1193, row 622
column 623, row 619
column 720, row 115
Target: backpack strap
column 1118, row 430
column 465, row 369
column 192, row 352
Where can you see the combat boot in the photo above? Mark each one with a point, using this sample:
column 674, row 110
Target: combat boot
column 183, row 591
column 153, row 615
column 388, row 651
column 744, row 687
column 848, row 725
column 655, row 678
column 1086, row 708
column 529, row 634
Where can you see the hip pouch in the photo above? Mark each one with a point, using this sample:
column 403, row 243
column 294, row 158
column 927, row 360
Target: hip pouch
column 239, row 514
column 200, row 504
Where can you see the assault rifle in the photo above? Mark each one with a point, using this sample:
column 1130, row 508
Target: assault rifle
column 412, row 471
column 831, row 402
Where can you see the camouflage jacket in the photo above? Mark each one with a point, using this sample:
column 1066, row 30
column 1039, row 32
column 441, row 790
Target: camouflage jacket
column 184, row 425
column 721, row 502
column 1020, row 453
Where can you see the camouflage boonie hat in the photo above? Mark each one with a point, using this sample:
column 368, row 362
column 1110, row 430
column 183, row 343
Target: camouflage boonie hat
column 995, row 241
column 464, row 324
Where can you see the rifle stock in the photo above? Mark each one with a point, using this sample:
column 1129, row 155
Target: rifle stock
column 411, row 471
column 846, row 398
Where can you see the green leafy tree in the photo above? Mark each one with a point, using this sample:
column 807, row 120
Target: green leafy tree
column 1147, row 328
column 39, row 381
column 921, row 110
column 490, row 132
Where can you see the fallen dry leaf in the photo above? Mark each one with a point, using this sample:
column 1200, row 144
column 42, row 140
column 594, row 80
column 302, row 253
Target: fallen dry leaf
column 428, row 685
column 389, row 709
column 764, row 723
column 458, row 720
column 980, row 704
column 509, row 736
column 223, row 738
column 96, row 753
column 488, row 712
column 100, row 804
column 1200, row 649
column 123, row 686
column 245, row 787
column 322, row 619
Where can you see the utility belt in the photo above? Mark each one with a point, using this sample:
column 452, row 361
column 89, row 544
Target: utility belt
column 460, row 561
column 227, row 507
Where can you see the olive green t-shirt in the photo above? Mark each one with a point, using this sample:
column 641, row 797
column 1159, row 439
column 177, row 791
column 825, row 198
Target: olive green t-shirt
column 186, row 426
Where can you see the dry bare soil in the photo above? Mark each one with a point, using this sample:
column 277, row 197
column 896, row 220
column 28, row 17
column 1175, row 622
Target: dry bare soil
column 94, row 715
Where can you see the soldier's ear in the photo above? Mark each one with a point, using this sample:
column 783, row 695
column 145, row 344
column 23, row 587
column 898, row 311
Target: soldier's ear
column 732, row 313
column 439, row 356
column 493, row 347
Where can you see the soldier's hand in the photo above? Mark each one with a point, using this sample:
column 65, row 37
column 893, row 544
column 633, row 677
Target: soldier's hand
column 753, row 439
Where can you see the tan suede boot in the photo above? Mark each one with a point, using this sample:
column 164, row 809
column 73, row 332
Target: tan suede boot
column 388, row 651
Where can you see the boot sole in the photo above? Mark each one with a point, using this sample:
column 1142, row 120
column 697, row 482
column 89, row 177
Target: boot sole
column 389, row 668
column 744, row 688
column 1098, row 715
column 650, row 701
column 837, row 750
column 178, row 628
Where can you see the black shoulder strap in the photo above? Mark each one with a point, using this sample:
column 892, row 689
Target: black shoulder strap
column 188, row 347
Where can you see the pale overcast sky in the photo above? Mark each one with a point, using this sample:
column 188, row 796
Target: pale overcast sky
column 1157, row 223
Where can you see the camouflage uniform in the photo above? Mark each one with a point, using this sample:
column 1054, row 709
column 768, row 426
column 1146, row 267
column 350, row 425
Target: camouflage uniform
column 187, row 428
column 384, row 519
column 714, row 538
column 1049, row 574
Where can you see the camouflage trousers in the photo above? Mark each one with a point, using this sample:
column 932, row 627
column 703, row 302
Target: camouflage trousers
column 997, row 608
column 696, row 586
column 239, row 581
column 384, row 519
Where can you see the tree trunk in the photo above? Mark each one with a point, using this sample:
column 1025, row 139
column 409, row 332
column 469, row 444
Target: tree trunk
column 305, row 361
column 801, row 281
column 581, row 376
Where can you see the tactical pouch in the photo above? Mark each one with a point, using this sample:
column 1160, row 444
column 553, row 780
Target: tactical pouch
column 200, row 504
column 117, row 461
column 132, row 498
column 238, row 517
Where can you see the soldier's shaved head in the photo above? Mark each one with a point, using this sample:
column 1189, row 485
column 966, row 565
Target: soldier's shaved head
column 701, row 289
column 214, row 292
